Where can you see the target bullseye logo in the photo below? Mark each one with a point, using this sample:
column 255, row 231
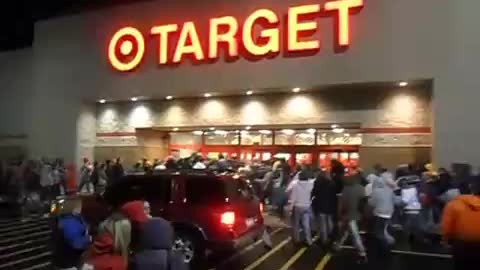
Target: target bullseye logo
column 126, row 49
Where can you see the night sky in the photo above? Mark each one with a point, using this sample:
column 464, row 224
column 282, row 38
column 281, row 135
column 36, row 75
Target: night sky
column 17, row 17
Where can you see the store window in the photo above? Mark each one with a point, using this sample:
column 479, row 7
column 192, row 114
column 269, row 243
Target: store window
column 261, row 137
column 221, row 137
column 295, row 137
column 324, row 138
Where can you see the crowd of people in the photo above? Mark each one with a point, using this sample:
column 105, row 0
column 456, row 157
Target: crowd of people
column 26, row 184
column 427, row 206
column 128, row 239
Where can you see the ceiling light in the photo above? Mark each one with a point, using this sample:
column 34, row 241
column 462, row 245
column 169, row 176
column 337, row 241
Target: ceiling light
column 102, row 101
column 248, row 127
column 207, row 95
column 264, row 131
column 311, row 130
column 249, row 93
column 212, row 128
column 175, row 129
column 168, row 97
column 334, row 126
column 288, row 131
column 134, row 99
column 402, row 84
column 244, row 132
column 197, row 132
column 338, row 130
column 296, row 89
column 346, row 135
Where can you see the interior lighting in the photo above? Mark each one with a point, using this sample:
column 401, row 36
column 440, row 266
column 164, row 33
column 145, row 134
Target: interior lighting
column 403, row 84
column 168, row 97
column 175, row 129
column 346, row 135
column 207, row 95
column 334, row 126
column 134, row 99
column 296, row 90
column 248, row 127
column 338, row 130
column 102, row 101
column 212, row 128
column 288, row 131
column 264, row 131
column 249, row 93
column 311, row 130
column 197, row 132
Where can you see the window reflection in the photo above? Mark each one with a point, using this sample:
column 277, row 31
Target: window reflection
column 221, row 137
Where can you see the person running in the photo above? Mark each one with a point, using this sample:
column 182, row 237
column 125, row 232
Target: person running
column 324, row 205
column 71, row 237
column 300, row 200
column 382, row 201
column 110, row 250
column 349, row 214
column 461, row 228
column 85, row 172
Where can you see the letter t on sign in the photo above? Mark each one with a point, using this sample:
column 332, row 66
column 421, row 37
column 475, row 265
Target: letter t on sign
column 343, row 7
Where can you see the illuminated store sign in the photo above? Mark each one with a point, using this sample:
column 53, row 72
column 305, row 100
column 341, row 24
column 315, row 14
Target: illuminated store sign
column 127, row 46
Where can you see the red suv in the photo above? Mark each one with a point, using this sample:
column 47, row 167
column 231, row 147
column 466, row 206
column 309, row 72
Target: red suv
column 208, row 211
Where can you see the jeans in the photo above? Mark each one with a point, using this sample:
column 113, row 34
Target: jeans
column 413, row 226
column 351, row 228
column 325, row 226
column 382, row 236
column 302, row 221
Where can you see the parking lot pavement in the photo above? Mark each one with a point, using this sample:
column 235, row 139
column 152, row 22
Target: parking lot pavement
column 286, row 255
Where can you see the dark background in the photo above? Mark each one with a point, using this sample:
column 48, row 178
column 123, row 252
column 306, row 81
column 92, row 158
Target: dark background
column 17, row 17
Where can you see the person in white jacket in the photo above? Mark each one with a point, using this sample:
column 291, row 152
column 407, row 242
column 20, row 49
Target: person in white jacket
column 301, row 203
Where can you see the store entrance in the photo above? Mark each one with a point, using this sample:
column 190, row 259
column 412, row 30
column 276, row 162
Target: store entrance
column 310, row 146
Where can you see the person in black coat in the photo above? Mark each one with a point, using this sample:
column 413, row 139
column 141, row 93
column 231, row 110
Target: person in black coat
column 324, row 205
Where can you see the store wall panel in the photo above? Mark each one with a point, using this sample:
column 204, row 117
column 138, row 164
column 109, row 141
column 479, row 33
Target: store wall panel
column 129, row 154
column 391, row 157
column 371, row 108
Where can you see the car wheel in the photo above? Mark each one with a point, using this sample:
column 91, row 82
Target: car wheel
column 190, row 247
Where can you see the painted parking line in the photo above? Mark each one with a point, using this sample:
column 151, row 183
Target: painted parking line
column 296, row 256
column 24, row 243
column 413, row 253
column 321, row 265
column 24, row 231
column 268, row 254
column 246, row 249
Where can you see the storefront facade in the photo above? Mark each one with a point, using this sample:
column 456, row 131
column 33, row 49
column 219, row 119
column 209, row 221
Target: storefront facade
column 427, row 44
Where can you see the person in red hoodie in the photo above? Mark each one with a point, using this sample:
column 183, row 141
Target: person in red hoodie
column 110, row 250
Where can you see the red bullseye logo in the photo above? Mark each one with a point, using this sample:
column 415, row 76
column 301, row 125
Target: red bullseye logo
column 126, row 49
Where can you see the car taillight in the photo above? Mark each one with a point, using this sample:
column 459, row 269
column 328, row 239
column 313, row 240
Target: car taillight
column 261, row 208
column 228, row 218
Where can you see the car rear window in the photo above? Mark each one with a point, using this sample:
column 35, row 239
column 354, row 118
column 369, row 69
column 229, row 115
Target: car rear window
column 205, row 190
column 239, row 189
column 130, row 188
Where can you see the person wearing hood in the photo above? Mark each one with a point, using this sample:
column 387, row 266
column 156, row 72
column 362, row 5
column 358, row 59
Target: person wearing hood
column 324, row 205
column 155, row 248
column 70, row 235
column 110, row 250
column 461, row 228
column 349, row 214
column 382, row 201
column 301, row 202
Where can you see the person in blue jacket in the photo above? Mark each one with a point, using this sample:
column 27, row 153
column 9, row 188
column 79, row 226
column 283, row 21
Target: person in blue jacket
column 71, row 237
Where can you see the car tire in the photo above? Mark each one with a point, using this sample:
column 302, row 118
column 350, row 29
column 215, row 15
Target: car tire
column 191, row 247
